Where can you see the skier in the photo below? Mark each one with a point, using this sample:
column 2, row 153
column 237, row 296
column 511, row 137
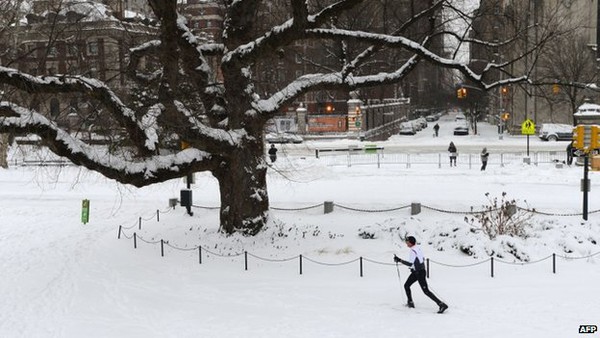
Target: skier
column 273, row 153
column 416, row 261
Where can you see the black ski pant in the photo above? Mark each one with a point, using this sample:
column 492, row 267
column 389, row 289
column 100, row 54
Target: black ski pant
column 419, row 276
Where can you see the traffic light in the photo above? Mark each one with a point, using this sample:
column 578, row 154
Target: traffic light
column 594, row 138
column 579, row 137
column 505, row 116
column 504, row 91
column 555, row 89
column 461, row 93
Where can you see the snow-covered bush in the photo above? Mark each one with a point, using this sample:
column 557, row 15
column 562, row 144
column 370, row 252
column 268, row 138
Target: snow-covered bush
column 501, row 217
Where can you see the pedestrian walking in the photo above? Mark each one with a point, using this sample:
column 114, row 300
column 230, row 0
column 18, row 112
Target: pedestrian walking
column 453, row 153
column 273, row 153
column 484, row 158
column 570, row 153
column 436, row 128
column 416, row 262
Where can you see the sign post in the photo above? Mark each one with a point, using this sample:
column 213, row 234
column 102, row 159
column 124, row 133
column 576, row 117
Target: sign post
column 528, row 128
column 85, row 211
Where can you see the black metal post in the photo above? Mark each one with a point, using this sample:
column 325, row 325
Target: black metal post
column 586, row 183
column 157, row 215
column 361, row 266
column 134, row 241
column 553, row 263
column 119, row 235
column 300, row 264
column 140, row 223
column 199, row 255
column 246, row 260
column 162, row 248
column 492, row 260
column 427, row 262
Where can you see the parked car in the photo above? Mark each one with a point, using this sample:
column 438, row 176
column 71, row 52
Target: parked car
column 431, row 118
column 421, row 121
column 461, row 128
column 556, row 132
column 460, row 117
column 407, row 128
column 283, row 138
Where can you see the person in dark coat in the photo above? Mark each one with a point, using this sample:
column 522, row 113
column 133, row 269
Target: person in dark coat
column 273, row 153
column 570, row 153
column 484, row 158
column 453, row 153
column 436, row 128
column 416, row 262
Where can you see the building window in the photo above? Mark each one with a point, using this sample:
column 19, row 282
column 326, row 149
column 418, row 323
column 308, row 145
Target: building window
column 93, row 48
column 54, row 107
column 52, row 52
column 72, row 50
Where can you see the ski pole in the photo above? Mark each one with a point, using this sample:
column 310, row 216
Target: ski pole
column 400, row 281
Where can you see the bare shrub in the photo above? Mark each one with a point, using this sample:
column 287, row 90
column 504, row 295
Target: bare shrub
column 501, row 217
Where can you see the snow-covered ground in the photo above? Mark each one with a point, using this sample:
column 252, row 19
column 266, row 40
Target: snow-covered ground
column 62, row 278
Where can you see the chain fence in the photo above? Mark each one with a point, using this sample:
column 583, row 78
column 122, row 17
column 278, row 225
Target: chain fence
column 301, row 258
column 428, row 207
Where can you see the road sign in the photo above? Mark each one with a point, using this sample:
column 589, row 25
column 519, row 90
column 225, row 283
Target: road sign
column 528, row 127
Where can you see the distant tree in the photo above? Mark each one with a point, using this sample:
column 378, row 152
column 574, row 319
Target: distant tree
column 570, row 64
column 204, row 94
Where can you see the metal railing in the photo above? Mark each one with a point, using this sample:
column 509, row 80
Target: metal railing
column 469, row 160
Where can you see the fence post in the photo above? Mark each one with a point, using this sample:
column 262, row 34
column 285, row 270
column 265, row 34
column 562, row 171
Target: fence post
column 119, row 235
column 378, row 163
column 317, row 153
column 427, row 261
column 470, row 161
column 162, row 248
column 439, row 161
column 501, row 160
column 199, row 254
column 361, row 266
column 157, row 215
column 328, row 207
column 300, row 264
column 134, row 240
column 553, row 263
column 246, row 260
column 140, row 223
column 407, row 160
column 492, row 260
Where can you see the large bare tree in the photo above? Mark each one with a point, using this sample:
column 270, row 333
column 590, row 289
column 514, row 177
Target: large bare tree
column 205, row 95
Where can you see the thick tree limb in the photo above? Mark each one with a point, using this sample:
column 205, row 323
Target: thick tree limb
column 133, row 170
column 91, row 88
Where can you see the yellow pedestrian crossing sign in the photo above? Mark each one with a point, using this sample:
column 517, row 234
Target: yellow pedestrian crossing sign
column 528, row 127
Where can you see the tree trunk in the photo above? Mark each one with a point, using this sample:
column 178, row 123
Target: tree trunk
column 4, row 143
column 243, row 189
